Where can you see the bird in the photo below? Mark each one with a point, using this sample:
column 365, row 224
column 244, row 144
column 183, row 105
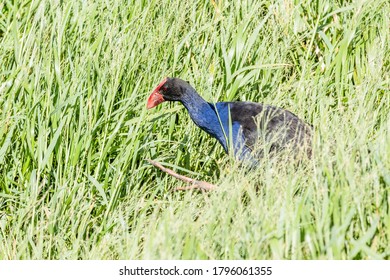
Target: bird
column 249, row 129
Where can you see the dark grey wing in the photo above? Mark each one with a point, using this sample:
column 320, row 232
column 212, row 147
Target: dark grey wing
column 283, row 128
column 277, row 127
column 245, row 114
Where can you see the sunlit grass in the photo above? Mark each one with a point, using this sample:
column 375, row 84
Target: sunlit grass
column 75, row 132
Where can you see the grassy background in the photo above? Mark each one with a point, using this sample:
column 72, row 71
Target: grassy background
column 74, row 130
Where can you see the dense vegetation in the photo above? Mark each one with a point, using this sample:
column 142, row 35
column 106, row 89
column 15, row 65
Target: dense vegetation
column 75, row 132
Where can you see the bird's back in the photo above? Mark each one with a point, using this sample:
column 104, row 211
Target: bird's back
column 273, row 128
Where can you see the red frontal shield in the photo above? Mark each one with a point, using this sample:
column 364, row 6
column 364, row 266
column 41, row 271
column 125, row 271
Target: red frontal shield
column 156, row 97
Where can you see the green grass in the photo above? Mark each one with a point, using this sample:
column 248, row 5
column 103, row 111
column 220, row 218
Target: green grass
column 75, row 132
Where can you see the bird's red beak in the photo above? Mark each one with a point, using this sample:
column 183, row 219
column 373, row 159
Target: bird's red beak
column 156, row 97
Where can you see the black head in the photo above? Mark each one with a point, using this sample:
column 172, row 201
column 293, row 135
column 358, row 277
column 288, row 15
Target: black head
column 170, row 89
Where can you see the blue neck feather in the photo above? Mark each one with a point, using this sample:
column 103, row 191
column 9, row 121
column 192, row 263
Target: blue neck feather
column 204, row 115
column 214, row 119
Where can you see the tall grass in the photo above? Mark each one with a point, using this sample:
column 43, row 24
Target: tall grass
column 74, row 130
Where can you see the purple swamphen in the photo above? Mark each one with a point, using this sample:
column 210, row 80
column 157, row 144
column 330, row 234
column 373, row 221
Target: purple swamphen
column 240, row 126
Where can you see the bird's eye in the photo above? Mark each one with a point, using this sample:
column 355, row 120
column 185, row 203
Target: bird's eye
column 164, row 88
